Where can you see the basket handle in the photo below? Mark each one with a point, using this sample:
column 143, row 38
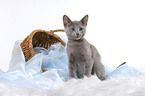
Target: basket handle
column 52, row 31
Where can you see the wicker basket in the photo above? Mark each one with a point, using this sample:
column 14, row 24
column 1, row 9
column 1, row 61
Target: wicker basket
column 39, row 38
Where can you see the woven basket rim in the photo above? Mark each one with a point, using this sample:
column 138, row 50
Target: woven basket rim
column 27, row 46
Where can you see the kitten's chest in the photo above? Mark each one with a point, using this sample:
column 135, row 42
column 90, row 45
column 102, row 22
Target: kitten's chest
column 79, row 49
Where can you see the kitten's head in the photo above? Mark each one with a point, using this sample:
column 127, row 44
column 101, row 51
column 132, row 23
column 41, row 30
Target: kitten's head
column 75, row 30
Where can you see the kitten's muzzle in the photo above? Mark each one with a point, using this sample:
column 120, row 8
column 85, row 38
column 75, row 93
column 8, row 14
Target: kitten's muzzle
column 77, row 34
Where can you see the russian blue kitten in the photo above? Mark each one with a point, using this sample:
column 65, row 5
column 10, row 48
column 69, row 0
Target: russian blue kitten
column 83, row 58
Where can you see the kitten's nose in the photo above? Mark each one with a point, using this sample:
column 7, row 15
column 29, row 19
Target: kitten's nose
column 77, row 34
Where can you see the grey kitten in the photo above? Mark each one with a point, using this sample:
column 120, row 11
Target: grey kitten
column 83, row 57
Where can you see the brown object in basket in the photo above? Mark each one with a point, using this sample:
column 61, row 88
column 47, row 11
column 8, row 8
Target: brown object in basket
column 39, row 38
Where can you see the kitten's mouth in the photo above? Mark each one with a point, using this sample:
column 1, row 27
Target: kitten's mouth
column 77, row 38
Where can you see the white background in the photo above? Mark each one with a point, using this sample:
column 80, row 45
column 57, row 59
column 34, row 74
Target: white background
column 115, row 27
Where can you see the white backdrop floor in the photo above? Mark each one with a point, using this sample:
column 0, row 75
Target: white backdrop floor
column 123, row 86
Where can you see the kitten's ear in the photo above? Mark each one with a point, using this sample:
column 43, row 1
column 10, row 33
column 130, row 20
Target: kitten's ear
column 85, row 20
column 66, row 21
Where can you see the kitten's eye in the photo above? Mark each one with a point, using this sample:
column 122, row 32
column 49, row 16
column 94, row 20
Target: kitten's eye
column 73, row 29
column 81, row 29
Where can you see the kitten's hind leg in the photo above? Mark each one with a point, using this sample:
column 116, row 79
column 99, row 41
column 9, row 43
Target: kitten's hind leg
column 99, row 70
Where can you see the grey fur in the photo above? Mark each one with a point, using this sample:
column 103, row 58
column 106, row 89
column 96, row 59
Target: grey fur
column 83, row 58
